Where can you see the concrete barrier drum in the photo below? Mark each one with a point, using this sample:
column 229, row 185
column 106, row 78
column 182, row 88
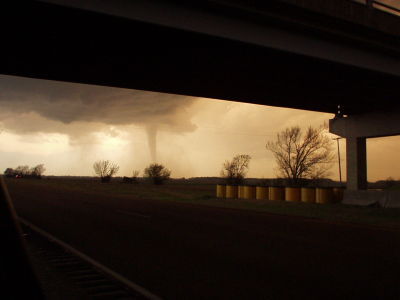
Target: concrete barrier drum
column 249, row 192
column 221, row 191
column 241, row 192
column 308, row 195
column 262, row 193
column 293, row 194
column 324, row 195
column 231, row 191
column 276, row 193
column 338, row 194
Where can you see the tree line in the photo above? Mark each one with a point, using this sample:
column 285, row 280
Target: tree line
column 299, row 155
column 25, row 172
column 157, row 173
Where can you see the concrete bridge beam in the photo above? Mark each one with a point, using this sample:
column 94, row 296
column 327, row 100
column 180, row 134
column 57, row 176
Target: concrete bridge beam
column 367, row 125
column 356, row 129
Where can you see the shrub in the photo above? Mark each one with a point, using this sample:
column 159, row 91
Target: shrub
column 157, row 173
column 105, row 169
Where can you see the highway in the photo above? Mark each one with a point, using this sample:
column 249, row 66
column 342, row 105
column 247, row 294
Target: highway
column 184, row 251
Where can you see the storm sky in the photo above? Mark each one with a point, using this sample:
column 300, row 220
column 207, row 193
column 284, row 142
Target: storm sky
column 69, row 126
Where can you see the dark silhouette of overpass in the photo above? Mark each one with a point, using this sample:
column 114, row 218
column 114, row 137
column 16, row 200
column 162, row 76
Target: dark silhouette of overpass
column 267, row 52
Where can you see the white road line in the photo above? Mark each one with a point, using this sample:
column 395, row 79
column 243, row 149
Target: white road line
column 133, row 286
column 130, row 213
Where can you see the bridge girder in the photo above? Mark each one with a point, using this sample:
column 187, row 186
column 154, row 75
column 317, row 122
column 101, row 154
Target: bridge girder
column 60, row 43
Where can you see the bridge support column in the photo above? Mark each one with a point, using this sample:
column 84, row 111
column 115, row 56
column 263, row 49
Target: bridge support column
column 356, row 149
column 356, row 129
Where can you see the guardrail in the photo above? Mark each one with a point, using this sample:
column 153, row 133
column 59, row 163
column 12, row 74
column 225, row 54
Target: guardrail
column 134, row 290
column 381, row 5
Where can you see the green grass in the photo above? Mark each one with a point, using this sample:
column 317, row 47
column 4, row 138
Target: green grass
column 205, row 195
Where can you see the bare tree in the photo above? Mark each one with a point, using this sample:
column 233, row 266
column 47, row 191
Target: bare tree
column 22, row 171
column 133, row 179
column 105, row 169
column 37, row 171
column 298, row 155
column 135, row 174
column 157, row 173
column 234, row 171
column 9, row 172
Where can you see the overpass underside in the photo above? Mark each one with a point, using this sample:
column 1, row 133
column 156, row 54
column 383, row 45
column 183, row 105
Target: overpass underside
column 270, row 52
column 298, row 69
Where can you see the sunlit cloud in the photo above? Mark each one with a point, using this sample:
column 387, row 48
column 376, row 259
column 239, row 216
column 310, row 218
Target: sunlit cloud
column 38, row 144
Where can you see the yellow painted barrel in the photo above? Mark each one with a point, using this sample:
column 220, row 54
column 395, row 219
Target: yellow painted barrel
column 293, row 194
column 231, row 191
column 324, row 195
column 276, row 193
column 221, row 191
column 241, row 192
column 262, row 193
column 308, row 195
column 338, row 194
column 249, row 192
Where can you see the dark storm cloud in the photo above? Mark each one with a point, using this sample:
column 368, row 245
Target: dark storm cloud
column 68, row 103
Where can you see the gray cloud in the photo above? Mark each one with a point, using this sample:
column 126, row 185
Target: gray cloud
column 67, row 103
column 78, row 110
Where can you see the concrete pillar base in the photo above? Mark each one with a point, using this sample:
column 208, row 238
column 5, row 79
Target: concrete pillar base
column 356, row 148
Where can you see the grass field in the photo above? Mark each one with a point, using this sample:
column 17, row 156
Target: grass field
column 205, row 195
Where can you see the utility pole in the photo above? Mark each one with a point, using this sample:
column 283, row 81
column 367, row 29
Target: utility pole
column 338, row 152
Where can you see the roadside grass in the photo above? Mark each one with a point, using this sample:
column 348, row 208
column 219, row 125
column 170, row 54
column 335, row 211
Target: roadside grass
column 205, row 195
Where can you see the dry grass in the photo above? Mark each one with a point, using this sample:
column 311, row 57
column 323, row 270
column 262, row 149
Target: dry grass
column 205, row 195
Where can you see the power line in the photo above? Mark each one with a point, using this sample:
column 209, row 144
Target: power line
column 340, row 169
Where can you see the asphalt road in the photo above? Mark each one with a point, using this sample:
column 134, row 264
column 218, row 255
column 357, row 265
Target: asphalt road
column 181, row 251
